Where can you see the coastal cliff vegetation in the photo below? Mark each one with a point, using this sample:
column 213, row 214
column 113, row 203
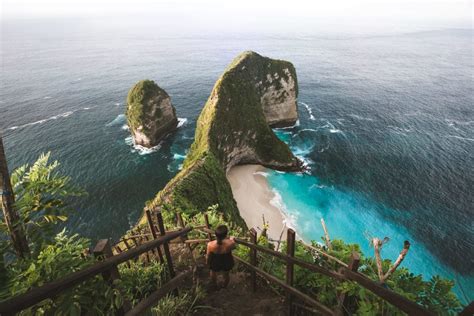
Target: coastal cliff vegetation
column 56, row 255
column 232, row 129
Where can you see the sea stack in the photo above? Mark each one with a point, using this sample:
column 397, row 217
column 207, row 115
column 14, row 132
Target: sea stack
column 233, row 128
column 150, row 114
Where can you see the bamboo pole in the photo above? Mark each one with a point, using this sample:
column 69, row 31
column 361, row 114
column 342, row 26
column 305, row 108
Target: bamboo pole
column 253, row 258
column 377, row 243
column 345, row 301
column 206, row 220
column 166, row 248
column 10, row 215
column 326, row 234
column 184, row 239
column 290, row 252
column 103, row 249
column 154, row 234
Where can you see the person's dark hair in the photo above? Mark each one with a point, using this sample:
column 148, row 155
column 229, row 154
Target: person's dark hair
column 221, row 233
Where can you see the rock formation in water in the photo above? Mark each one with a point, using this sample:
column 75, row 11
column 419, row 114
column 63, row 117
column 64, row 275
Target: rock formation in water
column 233, row 128
column 150, row 114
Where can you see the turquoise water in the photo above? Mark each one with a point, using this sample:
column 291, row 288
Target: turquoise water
column 386, row 124
column 352, row 217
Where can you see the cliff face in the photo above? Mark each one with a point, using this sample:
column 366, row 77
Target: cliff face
column 233, row 129
column 150, row 114
column 278, row 91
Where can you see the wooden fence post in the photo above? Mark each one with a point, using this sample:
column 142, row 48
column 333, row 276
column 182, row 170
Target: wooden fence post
column 103, row 249
column 253, row 258
column 154, row 234
column 181, row 224
column 10, row 215
column 345, row 302
column 468, row 310
column 161, row 227
column 206, row 221
column 290, row 251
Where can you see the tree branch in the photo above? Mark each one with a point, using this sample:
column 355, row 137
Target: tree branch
column 401, row 256
column 326, row 235
column 377, row 243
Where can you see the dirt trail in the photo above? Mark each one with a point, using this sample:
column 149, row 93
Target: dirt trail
column 238, row 298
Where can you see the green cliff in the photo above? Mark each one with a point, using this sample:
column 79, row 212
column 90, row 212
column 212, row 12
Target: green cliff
column 232, row 129
column 150, row 114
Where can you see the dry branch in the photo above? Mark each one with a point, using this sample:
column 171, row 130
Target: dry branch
column 401, row 256
column 377, row 243
column 326, row 235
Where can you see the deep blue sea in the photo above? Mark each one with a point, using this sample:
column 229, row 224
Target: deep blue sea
column 386, row 125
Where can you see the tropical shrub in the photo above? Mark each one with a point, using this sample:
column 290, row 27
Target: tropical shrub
column 42, row 199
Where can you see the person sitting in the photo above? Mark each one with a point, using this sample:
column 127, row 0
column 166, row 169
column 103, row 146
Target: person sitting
column 219, row 255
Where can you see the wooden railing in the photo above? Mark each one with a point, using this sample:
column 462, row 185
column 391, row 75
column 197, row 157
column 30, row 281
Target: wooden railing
column 161, row 239
column 108, row 269
column 344, row 274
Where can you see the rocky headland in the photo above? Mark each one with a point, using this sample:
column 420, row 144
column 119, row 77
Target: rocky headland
column 233, row 128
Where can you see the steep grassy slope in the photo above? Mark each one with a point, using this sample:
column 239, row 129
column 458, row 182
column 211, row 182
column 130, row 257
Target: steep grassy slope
column 231, row 130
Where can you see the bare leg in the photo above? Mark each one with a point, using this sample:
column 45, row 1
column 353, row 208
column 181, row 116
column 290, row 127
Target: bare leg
column 213, row 278
column 226, row 278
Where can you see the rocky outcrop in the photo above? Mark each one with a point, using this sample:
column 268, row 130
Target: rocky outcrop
column 233, row 128
column 150, row 114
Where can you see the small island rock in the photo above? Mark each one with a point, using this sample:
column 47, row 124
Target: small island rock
column 150, row 114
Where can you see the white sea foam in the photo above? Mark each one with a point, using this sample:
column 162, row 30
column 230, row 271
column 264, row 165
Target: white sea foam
column 310, row 111
column 307, row 130
column 55, row 117
column 117, row 103
column 399, row 130
column 125, row 127
column 288, row 219
column 178, row 156
column 119, row 120
column 332, row 129
column 460, row 137
column 181, row 121
column 47, row 97
column 261, row 173
column 306, row 162
column 358, row 117
column 140, row 149
column 340, row 121
column 297, row 123
column 452, row 122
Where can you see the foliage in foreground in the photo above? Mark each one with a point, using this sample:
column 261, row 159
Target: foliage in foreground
column 183, row 304
column 434, row 294
column 41, row 195
column 42, row 200
column 64, row 256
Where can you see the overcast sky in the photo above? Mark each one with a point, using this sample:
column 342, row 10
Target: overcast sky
column 390, row 15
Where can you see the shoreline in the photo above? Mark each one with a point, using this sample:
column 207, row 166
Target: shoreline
column 254, row 199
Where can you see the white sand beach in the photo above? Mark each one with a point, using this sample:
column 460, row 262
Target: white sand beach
column 253, row 196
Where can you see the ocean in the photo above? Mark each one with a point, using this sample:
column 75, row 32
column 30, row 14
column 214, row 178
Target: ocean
column 386, row 125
